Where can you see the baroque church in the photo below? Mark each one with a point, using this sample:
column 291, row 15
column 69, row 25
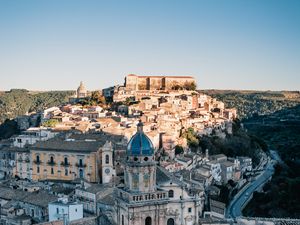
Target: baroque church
column 151, row 195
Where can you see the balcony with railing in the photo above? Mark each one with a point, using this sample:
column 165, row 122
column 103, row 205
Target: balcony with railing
column 51, row 163
column 65, row 164
column 37, row 162
column 143, row 197
column 80, row 165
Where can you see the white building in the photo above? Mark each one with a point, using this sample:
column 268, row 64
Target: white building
column 65, row 210
column 245, row 163
column 32, row 135
column 215, row 170
column 49, row 113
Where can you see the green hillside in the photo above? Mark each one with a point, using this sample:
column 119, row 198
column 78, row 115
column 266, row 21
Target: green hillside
column 253, row 103
column 18, row 102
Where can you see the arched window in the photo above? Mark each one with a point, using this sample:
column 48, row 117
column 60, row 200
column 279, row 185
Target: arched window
column 170, row 221
column 171, row 194
column 66, row 161
column 51, row 159
column 148, row 221
column 107, row 159
column 37, row 158
column 80, row 162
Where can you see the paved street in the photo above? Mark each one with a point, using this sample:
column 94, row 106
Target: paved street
column 235, row 206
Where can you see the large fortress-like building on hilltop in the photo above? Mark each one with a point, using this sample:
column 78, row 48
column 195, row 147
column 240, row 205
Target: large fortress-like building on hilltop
column 137, row 83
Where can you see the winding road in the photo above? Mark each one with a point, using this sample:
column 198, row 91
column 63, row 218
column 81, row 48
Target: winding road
column 235, row 207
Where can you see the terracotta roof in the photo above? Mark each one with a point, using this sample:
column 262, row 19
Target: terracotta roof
column 63, row 145
column 164, row 176
column 57, row 222
column 90, row 142
column 12, row 194
column 40, row 198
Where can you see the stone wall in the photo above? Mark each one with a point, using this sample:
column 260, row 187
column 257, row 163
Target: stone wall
column 134, row 82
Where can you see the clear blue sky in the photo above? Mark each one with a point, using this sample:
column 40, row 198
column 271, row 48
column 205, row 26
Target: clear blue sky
column 232, row 44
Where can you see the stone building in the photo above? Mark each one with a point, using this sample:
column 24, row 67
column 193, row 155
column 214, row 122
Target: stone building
column 151, row 195
column 87, row 157
column 20, row 203
column 7, row 162
column 138, row 83
column 89, row 195
column 22, row 165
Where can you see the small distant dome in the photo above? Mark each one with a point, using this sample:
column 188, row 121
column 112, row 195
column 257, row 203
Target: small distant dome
column 140, row 144
column 81, row 90
column 81, row 87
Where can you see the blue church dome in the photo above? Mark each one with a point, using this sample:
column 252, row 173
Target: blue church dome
column 139, row 143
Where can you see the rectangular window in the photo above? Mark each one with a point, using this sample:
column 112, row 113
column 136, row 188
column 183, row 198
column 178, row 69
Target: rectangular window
column 66, row 172
column 52, row 171
column 189, row 210
column 38, row 169
column 57, row 211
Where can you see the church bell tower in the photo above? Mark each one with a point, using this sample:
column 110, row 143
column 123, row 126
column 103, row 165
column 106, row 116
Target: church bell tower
column 140, row 169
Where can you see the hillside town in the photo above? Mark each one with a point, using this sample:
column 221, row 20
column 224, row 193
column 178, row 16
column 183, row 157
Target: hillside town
column 127, row 155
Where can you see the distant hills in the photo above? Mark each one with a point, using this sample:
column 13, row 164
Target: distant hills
column 254, row 103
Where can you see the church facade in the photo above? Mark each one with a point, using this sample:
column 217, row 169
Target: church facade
column 151, row 195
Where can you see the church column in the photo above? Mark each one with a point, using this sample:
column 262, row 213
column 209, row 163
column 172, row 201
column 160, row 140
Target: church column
column 196, row 209
column 182, row 207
